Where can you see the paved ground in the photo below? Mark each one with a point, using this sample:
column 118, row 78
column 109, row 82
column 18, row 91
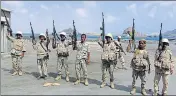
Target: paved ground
column 28, row 84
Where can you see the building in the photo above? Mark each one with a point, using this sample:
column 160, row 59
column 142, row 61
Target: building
column 5, row 43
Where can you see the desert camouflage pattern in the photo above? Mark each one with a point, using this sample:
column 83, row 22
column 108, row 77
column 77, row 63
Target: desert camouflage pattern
column 18, row 46
column 108, row 58
column 162, row 65
column 62, row 53
column 119, row 55
column 41, row 57
column 81, row 59
column 140, row 60
column 139, row 64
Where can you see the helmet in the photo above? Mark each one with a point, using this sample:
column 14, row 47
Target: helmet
column 119, row 36
column 165, row 40
column 41, row 34
column 19, row 32
column 63, row 33
column 109, row 35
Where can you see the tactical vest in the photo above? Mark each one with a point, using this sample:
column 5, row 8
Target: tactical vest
column 62, row 49
column 109, row 52
column 139, row 60
column 163, row 59
column 18, row 45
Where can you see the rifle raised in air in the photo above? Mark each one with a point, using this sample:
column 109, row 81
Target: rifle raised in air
column 74, row 37
column 54, row 36
column 160, row 37
column 133, row 35
column 8, row 25
column 103, row 29
column 33, row 36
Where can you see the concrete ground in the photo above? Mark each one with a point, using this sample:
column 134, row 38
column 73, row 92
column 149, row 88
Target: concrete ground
column 29, row 85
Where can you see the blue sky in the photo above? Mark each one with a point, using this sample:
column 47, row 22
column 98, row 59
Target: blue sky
column 87, row 15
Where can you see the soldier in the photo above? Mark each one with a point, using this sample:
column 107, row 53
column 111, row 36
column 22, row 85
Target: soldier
column 119, row 55
column 163, row 66
column 62, row 54
column 140, row 64
column 17, row 52
column 108, row 58
column 42, row 55
column 82, row 57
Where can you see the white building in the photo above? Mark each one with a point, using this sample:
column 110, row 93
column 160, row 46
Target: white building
column 5, row 44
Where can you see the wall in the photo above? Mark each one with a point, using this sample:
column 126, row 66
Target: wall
column 5, row 44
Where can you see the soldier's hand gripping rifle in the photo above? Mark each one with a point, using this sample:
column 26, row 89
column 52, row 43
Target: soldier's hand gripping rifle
column 33, row 36
column 74, row 37
column 160, row 38
column 133, row 33
column 47, row 40
column 103, row 30
column 121, row 49
column 8, row 25
column 54, row 36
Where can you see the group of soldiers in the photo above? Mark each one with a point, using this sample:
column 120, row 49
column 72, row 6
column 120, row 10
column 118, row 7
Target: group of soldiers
column 140, row 62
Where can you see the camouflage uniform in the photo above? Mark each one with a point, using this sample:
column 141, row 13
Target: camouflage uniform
column 119, row 56
column 81, row 61
column 140, row 64
column 163, row 65
column 62, row 53
column 41, row 58
column 18, row 46
column 108, row 58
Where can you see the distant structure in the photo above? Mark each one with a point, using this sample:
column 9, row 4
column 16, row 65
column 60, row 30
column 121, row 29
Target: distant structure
column 5, row 44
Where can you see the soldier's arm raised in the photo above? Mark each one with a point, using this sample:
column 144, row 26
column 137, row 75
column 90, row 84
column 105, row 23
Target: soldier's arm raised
column 10, row 37
column 100, row 41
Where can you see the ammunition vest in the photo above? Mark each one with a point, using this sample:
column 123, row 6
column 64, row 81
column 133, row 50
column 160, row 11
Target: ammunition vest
column 18, row 45
column 163, row 59
column 109, row 52
column 139, row 60
column 62, row 49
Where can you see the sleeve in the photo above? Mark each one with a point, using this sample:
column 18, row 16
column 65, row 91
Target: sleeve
column 147, row 58
column 88, row 48
column 10, row 38
column 24, row 47
column 100, row 43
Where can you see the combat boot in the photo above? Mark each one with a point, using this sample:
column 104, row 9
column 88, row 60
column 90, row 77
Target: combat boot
column 143, row 92
column 103, row 84
column 77, row 82
column 112, row 85
column 67, row 78
column 14, row 73
column 86, row 82
column 58, row 77
column 133, row 91
column 20, row 73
